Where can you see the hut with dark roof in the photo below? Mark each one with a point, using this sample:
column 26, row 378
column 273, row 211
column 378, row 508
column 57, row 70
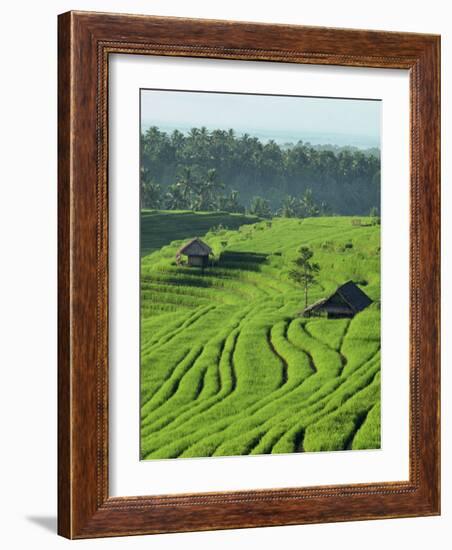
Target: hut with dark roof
column 346, row 301
column 197, row 252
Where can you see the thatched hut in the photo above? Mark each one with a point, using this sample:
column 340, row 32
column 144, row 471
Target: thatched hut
column 197, row 252
column 346, row 301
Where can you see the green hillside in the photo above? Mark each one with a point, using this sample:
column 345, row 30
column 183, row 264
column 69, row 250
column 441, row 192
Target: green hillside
column 159, row 228
column 228, row 367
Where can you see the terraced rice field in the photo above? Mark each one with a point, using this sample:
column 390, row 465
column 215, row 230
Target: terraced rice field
column 228, row 367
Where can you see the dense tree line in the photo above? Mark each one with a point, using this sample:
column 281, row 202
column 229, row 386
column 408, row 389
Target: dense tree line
column 220, row 170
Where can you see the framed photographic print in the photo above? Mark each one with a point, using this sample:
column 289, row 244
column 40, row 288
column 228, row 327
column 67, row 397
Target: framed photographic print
column 248, row 275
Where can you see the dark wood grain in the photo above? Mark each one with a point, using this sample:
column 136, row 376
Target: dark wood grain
column 85, row 42
column 64, row 295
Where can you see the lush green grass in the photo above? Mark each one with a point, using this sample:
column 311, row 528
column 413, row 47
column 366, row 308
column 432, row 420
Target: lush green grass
column 227, row 364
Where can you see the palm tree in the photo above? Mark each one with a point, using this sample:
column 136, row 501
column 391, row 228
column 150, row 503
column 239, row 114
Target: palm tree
column 260, row 207
column 151, row 194
column 207, row 191
column 230, row 203
column 175, row 199
column 290, row 207
column 324, row 209
column 308, row 205
column 234, row 203
column 186, row 184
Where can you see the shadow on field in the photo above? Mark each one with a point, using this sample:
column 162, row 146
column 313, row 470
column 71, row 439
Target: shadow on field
column 249, row 261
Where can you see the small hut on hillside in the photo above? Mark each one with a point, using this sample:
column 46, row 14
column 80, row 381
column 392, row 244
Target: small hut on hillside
column 346, row 301
column 196, row 251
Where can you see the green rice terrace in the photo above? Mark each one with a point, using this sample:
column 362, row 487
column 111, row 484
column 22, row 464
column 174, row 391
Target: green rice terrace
column 228, row 364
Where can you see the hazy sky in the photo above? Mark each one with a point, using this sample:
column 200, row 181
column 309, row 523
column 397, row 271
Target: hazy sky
column 319, row 120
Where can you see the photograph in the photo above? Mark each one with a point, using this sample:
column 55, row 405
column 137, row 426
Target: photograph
column 259, row 275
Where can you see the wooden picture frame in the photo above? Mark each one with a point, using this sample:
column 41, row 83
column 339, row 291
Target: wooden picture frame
column 85, row 42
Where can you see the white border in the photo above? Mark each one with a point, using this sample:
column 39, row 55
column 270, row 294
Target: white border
column 128, row 475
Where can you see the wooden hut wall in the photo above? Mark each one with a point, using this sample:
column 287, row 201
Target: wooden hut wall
column 197, row 261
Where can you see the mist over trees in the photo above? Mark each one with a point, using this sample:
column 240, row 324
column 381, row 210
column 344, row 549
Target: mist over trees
column 220, row 170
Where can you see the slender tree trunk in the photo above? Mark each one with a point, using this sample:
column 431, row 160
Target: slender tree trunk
column 305, row 287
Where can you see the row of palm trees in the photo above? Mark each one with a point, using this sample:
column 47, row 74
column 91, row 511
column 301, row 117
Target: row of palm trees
column 348, row 180
column 303, row 207
column 190, row 193
column 206, row 194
